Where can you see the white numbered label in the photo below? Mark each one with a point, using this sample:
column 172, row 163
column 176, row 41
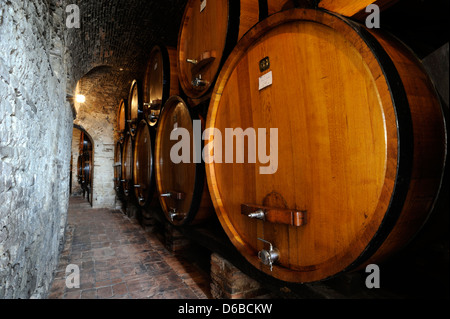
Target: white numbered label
column 265, row 80
column 202, row 5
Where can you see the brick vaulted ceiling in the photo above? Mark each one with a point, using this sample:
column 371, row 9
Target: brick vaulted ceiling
column 112, row 45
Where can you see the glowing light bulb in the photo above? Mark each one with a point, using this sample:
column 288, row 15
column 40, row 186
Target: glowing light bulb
column 81, row 98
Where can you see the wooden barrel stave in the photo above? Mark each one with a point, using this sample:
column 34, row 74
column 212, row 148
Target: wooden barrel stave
column 143, row 165
column 122, row 119
column 127, row 167
column 135, row 107
column 329, row 190
column 118, row 168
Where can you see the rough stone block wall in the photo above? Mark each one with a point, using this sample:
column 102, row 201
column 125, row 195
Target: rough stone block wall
column 35, row 142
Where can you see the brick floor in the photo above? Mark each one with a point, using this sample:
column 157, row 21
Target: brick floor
column 117, row 258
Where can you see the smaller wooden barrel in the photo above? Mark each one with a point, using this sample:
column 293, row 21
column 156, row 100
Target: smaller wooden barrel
column 184, row 195
column 135, row 105
column 274, row 6
column 122, row 119
column 143, row 172
column 118, row 167
column 127, row 166
column 161, row 81
column 209, row 31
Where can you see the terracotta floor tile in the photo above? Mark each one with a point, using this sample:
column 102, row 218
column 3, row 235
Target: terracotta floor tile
column 118, row 259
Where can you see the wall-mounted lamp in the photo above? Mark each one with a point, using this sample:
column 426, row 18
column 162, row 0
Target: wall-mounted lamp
column 80, row 98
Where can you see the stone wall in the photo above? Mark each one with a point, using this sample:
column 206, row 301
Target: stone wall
column 35, row 142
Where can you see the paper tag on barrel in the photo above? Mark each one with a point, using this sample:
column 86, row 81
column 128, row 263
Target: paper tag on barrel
column 265, row 80
column 202, row 5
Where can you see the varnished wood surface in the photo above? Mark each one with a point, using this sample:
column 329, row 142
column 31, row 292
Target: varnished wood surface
column 121, row 116
column 184, row 178
column 134, row 107
column 275, row 6
column 117, row 166
column 429, row 145
column 215, row 31
column 127, row 166
column 201, row 32
column 160, row 82
column 338, row 144
column 143, row 170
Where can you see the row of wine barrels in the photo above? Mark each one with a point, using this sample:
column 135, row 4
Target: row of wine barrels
column 352, row 124
column 207, row 35
column 118, row 168
column 358, row 153
column 209, row 31
column 140, row 114
column 160, row 82
column 146, row 99
column 181, row 188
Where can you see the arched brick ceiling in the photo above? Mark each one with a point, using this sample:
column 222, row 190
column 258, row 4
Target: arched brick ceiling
column 112, row 45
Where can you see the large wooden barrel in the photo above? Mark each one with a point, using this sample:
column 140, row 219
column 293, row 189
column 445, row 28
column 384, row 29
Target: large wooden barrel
column 209, row 31
column 161, row 81
column 118, row 167
column 143, row 168
column 135, row 107
column 127, row 167
column 122, row 119
column 184, row 195
column 357, row 150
